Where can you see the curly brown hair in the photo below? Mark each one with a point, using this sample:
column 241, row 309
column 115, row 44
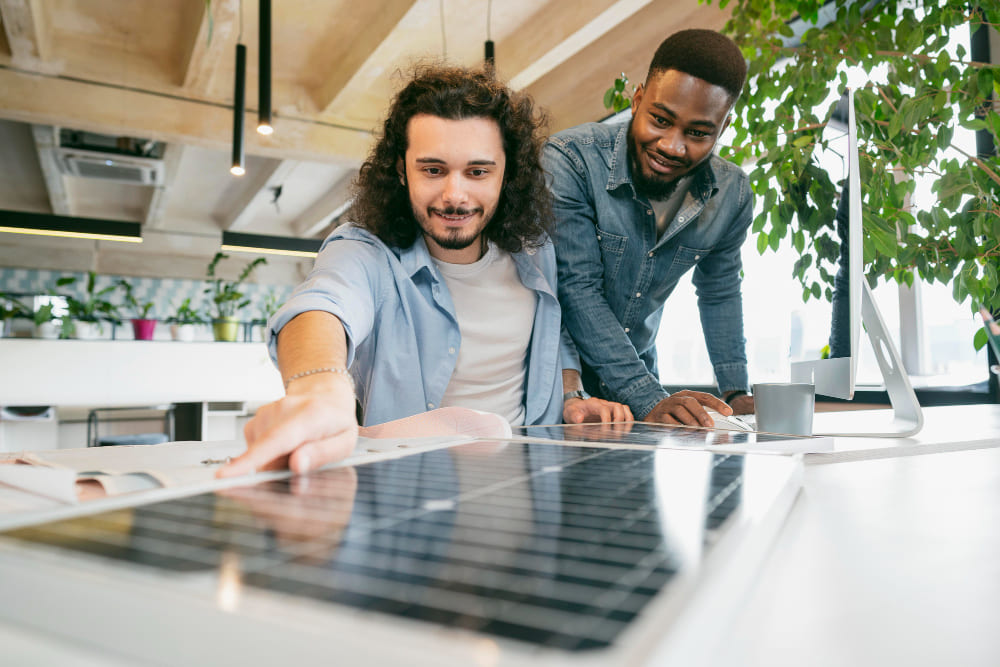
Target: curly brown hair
column 382, row 202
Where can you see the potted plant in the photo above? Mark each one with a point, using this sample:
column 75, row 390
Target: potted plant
column 143, row 326
column 227, row 298
column 10, row 308
column 183, row 321
column 46, row 323
column 87, row 316
column 268, row 308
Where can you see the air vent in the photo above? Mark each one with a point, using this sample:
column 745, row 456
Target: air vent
column 110, row 167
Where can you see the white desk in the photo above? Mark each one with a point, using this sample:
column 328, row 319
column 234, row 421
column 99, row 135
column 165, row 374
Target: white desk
column 886, row 562
column 893, row 560
column 946, row 429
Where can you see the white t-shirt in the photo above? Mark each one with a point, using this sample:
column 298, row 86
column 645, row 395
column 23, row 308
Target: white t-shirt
column 495, row 316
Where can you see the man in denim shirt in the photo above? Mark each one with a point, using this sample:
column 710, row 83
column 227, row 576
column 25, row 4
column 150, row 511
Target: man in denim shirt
column 637, row 206
column 441, row 292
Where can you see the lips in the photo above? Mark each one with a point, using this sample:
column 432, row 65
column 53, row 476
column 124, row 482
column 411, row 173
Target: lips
column 456, row 217
column 663, row 165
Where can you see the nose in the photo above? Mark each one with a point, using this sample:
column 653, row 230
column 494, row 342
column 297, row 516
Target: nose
column 454, row 189
column 671, row 142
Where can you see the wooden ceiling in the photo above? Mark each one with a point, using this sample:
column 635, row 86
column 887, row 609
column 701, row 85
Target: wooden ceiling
column 164, row 69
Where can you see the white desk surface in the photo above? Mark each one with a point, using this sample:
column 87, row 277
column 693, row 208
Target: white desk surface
column 890, row 556
column 885, row 562
column 946, row 429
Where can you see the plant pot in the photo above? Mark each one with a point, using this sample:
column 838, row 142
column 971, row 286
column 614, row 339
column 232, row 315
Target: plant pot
column 225, row 329
column 47, row 330
column 182, row 332
column 85, row 330
column 143, row 329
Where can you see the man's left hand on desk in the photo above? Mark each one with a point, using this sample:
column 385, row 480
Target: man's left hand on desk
column 581, row 410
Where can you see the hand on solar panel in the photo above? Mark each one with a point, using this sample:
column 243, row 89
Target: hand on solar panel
column 314, row 424
column 582, row 410
column 688, row 407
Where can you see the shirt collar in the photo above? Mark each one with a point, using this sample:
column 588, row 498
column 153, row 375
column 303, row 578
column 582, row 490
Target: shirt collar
column 417, row 257
column 703, row 183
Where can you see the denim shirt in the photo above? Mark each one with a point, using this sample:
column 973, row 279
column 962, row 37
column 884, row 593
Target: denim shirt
column 402, row 333
column 615, row 274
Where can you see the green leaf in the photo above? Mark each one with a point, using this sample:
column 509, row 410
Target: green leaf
column 609, row 98
column 979, row 339
column 761, row 243
column 802, row 141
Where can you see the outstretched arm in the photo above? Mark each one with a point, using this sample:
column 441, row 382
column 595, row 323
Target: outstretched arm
column 315, row 423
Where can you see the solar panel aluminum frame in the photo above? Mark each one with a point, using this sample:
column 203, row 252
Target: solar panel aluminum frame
column 130, row 612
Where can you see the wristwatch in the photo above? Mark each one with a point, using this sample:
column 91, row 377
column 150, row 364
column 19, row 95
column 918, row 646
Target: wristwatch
column 577, row 393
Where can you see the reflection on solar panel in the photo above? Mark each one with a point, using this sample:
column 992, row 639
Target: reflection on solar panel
column 556, row 546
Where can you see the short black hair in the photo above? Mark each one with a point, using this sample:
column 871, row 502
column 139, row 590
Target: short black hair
column 705, row 54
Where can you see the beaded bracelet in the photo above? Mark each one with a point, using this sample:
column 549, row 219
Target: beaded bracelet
column 313, row 371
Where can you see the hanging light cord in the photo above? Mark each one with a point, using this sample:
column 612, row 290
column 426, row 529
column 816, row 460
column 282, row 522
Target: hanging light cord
column 239, row 37
column 444, row 40
column 489, row 15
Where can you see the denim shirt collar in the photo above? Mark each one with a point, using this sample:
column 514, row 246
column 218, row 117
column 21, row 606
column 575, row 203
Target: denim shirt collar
column 417, row 257
column 703, row 186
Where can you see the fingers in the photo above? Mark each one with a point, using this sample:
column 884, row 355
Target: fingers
column 304, row 433
column 578, row 411
column 707, row 400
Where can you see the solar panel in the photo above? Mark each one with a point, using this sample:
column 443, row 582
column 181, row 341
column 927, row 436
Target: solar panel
column 537, row 546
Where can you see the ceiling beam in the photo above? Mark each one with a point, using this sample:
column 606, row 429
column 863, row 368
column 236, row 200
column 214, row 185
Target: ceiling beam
column 81, row 105
column 209, row 41
column 317, row 217
column 574, row 91
column 28, row 33
column 270, row 175
column 555, row 33
column 172, row 155
column 372, row 30
column 46, row 142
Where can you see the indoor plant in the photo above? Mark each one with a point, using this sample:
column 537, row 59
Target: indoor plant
column 919, row 87
column 10, row 308
column 88, row 315
column 143, row 326
column 184, row 320
column 226, row 297
column 268, row 308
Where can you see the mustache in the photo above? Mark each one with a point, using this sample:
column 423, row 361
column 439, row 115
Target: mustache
column 673, row 159
column 453, row 210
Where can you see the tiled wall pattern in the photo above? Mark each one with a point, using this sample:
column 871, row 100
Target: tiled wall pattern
column 165, row 293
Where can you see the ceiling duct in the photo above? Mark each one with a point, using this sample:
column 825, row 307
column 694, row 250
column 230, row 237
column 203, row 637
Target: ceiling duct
column 119, row 159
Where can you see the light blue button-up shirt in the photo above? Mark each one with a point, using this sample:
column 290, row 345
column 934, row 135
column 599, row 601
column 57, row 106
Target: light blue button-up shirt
column 615, row 273
column 402, row 333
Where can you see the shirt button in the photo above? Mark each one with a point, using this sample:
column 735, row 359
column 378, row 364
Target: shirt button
column 697, row 257
column 451, row 350
column 627, row 329
column 598, row 237
column 649, row 212
column 650, row 253
column 638, row 294
column 430, row 406
column 680, row 219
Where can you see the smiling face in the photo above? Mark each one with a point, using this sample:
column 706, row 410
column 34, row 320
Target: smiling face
column 453, row 170
column 676, row 122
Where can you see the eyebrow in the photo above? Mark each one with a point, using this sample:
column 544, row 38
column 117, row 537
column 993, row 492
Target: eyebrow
column 701, row 123
column 437, row 160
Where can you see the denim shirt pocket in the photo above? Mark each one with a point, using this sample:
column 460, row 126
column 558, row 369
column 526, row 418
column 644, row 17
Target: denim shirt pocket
column 612, row 252
column 685, row 258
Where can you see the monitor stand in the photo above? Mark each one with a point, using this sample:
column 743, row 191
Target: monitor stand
column 907, row 417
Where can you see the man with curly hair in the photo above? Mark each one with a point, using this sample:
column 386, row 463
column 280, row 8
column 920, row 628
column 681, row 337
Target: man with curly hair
column 441, row 292
column 639, row 204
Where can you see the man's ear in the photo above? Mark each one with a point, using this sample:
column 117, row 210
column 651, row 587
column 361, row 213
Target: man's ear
column 725, row 124
column 637, row 98
column 401, row 170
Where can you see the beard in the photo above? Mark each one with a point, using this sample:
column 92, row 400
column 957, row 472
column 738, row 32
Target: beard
column 451, row 239
column 651, row 185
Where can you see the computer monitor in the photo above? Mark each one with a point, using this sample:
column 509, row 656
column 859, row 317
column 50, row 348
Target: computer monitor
column 836, row 377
